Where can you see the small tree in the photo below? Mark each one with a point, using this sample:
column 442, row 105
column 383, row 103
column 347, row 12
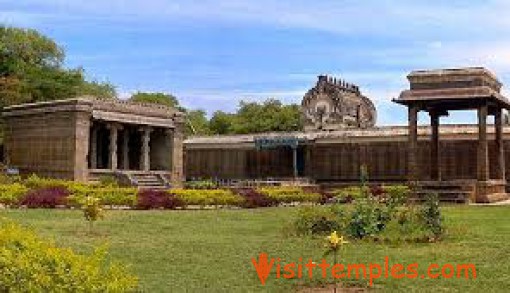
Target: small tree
column 92, row 210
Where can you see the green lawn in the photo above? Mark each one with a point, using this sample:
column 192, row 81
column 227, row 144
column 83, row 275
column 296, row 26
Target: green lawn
column 210, row 250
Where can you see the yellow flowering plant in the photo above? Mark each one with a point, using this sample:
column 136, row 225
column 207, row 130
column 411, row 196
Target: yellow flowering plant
column 333, row 244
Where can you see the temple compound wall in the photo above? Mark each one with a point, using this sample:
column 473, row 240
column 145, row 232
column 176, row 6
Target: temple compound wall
column 340, row 138
column 338, row 155
column 82, row 138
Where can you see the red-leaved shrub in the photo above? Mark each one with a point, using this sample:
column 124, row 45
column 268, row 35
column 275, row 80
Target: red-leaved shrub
column 326, row 197
column 157, row 199
column 377, row 190
column 48, row 197
column 254, row 199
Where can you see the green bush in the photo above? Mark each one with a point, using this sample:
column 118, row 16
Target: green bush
column 397, row 194
column 367, row 218
column 115, row 196
column 406, row 225
column 9, row 179
column 431, row 215
column 318, row 220
column 207, row 197
column 29, row 264
column 289, row 194
column 36, row 182
column 12, row 194
column 200, row 184
column 350, row 193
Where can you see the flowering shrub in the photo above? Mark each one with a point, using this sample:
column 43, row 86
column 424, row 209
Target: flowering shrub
column 351, row 193
column 116, row 196
column 289, row 194
column 29, row 264
column 157, row 199
column 48, row 197
column 254, row 199
column 11, row 194
column 36, row 182
column 208, row 197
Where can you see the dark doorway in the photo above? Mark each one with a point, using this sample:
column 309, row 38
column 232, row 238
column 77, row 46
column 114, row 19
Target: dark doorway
column 300, row 161
column 103, row 147
column 135, row 146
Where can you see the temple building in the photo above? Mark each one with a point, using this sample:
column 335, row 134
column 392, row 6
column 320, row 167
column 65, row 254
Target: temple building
column 85, row 138
column 460, row 162
column 143, row 145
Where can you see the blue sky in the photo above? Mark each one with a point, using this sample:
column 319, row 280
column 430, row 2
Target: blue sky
column 211, row 54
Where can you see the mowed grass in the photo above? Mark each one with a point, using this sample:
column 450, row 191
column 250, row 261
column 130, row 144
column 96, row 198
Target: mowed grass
column 211, row 250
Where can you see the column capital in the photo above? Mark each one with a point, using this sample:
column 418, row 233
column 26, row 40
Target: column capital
column 114, row 125
column 145, row 128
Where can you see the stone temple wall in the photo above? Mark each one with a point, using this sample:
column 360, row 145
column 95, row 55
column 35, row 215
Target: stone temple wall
column 43, row 144
column 337, row 156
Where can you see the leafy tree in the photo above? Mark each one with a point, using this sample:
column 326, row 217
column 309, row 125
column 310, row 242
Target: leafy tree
column 271, row 115
column 221, row 122
column 155, row 98
column 197, row 123
column 104, row 90
column 31, row 70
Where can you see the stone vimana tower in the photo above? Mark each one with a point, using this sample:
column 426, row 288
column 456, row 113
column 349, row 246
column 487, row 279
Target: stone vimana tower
column 334, row 104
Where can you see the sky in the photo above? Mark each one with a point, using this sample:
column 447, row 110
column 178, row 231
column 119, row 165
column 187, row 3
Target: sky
column 212, row 54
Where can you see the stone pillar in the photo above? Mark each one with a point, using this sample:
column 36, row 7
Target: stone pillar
column 412, row 161
column 93, row 147
column 114, row 134
column 308, row 161
column 125, row 150
column 294, row 162
column 178, row 151
column 80, row 165
column 435, row 153
column 483, row 154
column 145, row 158
column 500, row 148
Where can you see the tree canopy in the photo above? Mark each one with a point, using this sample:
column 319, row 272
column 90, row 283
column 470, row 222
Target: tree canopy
column 156, row 98
column 31, row 70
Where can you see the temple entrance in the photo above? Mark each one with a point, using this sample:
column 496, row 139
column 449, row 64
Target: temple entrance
column 288, row 145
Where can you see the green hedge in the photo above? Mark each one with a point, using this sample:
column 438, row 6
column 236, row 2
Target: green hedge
column 12, row 194
column 289, row 194
column 207, row 197
column 29, row 264
column 116, row 196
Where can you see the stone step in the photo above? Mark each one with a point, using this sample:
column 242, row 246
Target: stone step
column 147, row 181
